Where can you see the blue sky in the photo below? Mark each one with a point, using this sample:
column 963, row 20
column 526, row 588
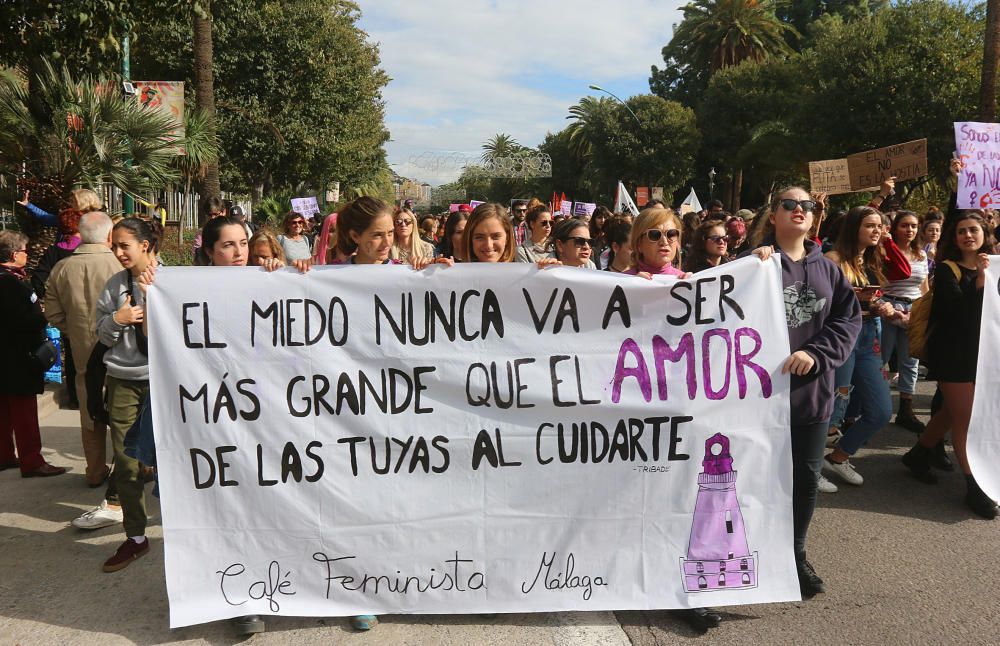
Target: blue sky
column 464, row 70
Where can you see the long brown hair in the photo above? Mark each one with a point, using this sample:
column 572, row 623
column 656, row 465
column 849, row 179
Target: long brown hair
column 482, row 213
column 357, row 216
column 699, row 253
column 853, row 262
column 916, row 248
column 947, row 248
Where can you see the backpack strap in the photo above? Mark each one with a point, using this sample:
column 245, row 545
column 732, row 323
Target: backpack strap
column 954, row 268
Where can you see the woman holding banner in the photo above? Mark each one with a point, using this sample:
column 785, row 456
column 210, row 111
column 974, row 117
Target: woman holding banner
column 656, row 244
column 824, row 319
column 710, row 248
column 953, row 349
column 572, row 244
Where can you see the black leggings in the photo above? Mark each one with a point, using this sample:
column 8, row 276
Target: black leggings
column 808, row 445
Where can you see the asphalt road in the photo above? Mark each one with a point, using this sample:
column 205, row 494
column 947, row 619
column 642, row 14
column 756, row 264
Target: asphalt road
column 905, row 563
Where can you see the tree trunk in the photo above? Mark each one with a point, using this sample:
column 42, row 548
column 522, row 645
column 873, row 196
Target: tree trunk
column 204, row 85
column 737, row 189
column 991, row 56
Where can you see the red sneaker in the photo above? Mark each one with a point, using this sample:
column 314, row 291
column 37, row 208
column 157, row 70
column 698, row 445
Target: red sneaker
column 127, row 552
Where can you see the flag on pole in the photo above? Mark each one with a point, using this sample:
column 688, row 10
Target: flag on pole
column 623, row 201
column 691, row 203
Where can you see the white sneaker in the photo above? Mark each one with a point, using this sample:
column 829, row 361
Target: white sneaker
column 98, row 517
column 844, row 470
column 825, row 486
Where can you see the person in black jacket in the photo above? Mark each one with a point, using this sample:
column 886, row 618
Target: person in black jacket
column 22, row 328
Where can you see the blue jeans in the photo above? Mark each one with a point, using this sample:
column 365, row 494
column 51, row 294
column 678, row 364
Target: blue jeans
column 870, row 390
column 894, row 338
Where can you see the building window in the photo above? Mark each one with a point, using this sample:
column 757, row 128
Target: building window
column 702, row 583
column 746, row 579
column 722, row 580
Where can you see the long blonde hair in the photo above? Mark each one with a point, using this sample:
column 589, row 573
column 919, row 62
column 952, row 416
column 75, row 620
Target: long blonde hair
column 416, row 248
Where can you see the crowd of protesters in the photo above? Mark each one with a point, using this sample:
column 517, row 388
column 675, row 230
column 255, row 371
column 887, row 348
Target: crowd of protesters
column 849, row 281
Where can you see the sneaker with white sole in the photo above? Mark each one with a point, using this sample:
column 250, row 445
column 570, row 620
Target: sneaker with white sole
column 845, row 471
column 825, row 486
column 101, row 516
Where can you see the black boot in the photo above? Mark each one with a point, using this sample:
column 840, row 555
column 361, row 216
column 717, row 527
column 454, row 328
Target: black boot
column 809, row 582
column 940, row 459
column 906, row 418
column 918, row 460
column 978, row 501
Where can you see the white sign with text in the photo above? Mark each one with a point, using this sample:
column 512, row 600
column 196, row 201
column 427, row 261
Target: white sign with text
column 474, row 439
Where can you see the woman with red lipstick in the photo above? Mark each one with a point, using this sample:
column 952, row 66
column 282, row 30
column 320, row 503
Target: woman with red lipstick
column 953, row 348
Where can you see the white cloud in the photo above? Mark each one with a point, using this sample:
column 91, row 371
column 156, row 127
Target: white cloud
column 464, row 70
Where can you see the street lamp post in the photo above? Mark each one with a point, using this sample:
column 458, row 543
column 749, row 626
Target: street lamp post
column 711, row 183
column 642, row 126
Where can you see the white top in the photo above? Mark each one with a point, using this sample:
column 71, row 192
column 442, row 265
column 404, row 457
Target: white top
column 909, row 287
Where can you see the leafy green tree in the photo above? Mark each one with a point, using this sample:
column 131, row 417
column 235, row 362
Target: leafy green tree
column 716, row 34
column 297, row 91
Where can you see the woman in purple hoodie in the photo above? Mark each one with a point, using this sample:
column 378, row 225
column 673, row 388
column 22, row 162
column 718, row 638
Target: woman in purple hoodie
column 824, row 320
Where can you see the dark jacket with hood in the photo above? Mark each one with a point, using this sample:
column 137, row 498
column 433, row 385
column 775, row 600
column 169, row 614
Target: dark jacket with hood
column 824, row 320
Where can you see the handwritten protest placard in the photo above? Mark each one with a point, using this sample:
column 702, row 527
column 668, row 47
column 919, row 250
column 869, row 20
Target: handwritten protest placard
column 369, row 439
column 584, row 209
column 978, row 146
column 305, row 206
column 902, row 161
column 830, row 176
column 984, row 428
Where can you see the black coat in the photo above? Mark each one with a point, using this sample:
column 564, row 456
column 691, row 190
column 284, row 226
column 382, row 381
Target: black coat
column 22, row 330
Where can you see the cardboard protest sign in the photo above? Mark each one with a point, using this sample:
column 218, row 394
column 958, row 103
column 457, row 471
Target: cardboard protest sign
column 978, row 146
column 902, row 161
column 305, row 206
column 830, row 176
column 371, row 439
column 984, row 427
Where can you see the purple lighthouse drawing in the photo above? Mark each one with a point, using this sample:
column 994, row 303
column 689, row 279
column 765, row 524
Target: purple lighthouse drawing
column 718, row 557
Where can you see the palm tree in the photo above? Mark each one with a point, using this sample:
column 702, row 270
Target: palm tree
column 201, row 147
column 586, row 127
column 64, row 133
column 724, row 33
column 204, row 84
column 83, row 133
column 501, row 145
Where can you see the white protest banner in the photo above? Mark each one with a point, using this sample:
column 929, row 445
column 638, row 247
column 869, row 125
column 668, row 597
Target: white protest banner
column 473, row 439
column 305, row 206
column 978, row 146
column 584, row 209
column 984, row 428
column 903, row 161
column 830, row 176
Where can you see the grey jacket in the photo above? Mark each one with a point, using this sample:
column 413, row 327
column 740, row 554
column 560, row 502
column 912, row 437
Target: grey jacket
column 123, row 359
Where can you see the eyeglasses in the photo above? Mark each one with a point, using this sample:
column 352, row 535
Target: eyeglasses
column 24, row 251
column 580, row 241
column 403, row 223
column 717, row 239
column 520, row 210
column 654, row 235
column 298, row 223
column 545, row 223
column 789, row 204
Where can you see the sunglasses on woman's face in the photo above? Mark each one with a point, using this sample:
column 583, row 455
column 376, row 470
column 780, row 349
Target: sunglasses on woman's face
column 789, row 204
column 654, row 235
column 581, row 242
column 718, row 239
column 545, row 223
column 403, row 223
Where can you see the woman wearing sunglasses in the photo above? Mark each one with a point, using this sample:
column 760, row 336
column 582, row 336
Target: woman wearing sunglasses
column 709, row 249
column 823, row 318
column 406, row 244
column 572, row 244
column 534, row 247
column 656, row 243
column 294, row 242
